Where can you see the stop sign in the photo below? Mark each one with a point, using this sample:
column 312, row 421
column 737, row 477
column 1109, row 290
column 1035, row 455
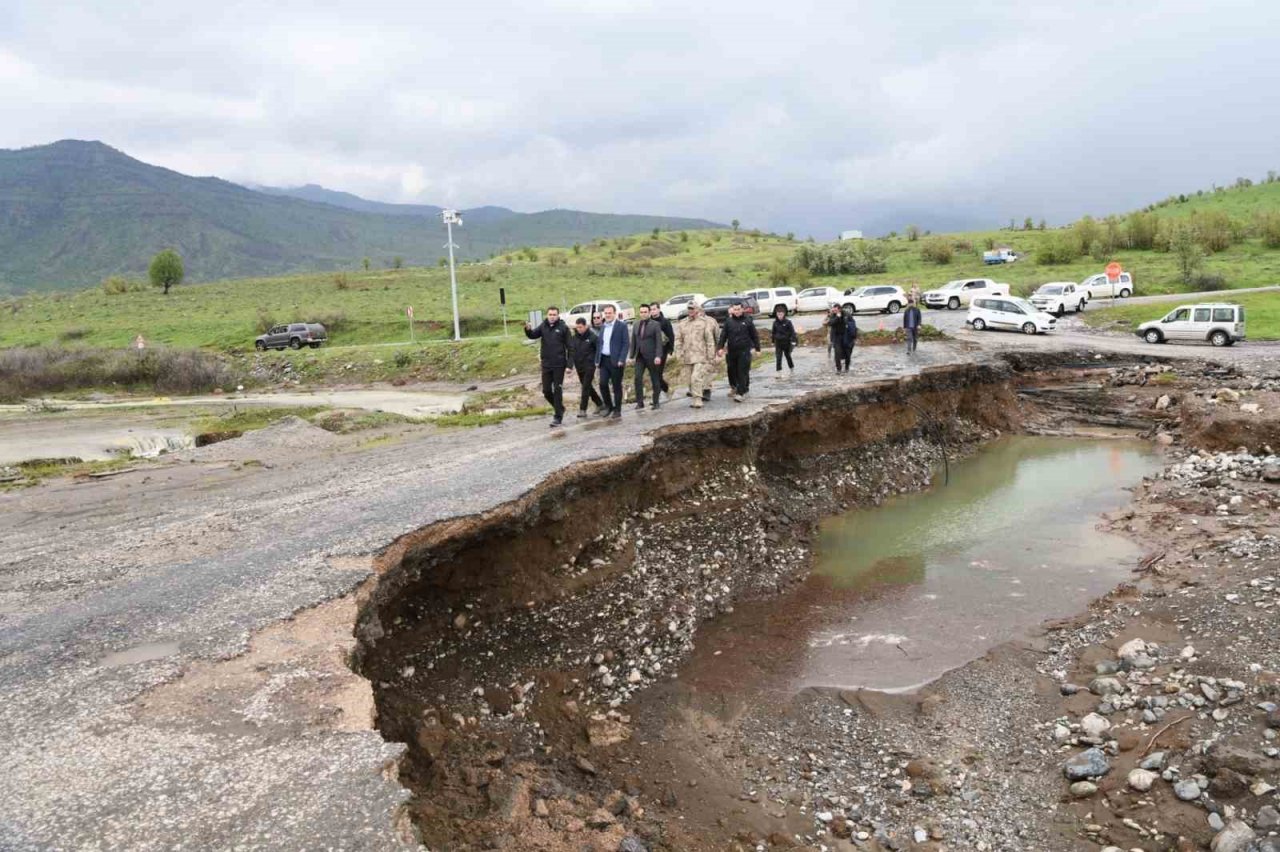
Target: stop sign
column 1113, row 270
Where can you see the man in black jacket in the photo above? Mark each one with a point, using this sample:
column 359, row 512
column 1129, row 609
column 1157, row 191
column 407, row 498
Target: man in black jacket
column 648, row 352
column 669, row 335
column 555, row 358
column 738, row 337
column 582, row 347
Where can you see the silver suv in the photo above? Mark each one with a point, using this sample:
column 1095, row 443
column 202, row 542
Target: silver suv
column 294, row 335
column 1220, row 324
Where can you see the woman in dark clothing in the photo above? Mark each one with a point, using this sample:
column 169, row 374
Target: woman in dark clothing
column 784, row 338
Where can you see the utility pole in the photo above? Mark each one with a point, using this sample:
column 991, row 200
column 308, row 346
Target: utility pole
column 451, row 218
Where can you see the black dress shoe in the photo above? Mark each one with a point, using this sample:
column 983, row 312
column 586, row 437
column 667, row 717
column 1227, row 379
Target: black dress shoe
column 706, row 395
column 639, row 406
column 617, row 414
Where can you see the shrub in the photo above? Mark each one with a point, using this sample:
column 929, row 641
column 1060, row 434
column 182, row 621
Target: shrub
column 1086, row 233
column 74, row 333
column 333, row 322
column 1208, row 282
column 962, row 245
column 913, row 233
column 117, row 284
column 403, row 359
column 1187, row 252
column 1268, row 224
column 264, row 322
column 557, row 258
column 1061, row 248
column 397, row 262
column 341, row 282
column 1141, row 229
column 787, row 275
column 35, row 370
column 1214, row 229
column 936, row 250
column 854, row 257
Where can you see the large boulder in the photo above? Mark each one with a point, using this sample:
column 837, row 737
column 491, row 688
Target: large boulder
column 1088, row 764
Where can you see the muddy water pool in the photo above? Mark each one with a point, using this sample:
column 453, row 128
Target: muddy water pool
column 905, row 591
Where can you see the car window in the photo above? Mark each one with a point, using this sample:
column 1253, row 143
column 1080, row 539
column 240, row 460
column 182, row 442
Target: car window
column 1180, row 315
column 580, row 309
column 810, row 292
column 781, row 293
column 624, row 306
column 1201, row 315
column 973, row 285
column 1224, row 314
column 984, row 304
column 1012, row 308
column 677, row 300
column 1240, row 311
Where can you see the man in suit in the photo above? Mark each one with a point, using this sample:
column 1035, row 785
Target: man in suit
column 611, row 359
column 648, row 351
column 554, row 355
column 669, row 334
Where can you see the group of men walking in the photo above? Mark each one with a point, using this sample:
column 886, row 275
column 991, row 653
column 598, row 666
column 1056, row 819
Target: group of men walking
column 607, row 345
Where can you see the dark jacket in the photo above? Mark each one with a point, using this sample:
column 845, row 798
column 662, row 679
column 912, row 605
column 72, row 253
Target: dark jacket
column 648, row 342
column 617, row 344
column 555, row 343
column 738, row 334
column 911, row 317
column 784, row 333
column 850, row 331
column 669, row 333
column 582, row 349
column 835, row 324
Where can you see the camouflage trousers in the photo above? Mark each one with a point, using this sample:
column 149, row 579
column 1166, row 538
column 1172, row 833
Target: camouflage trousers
column 698, row 377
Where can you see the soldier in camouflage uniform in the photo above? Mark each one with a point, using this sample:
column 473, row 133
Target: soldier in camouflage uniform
column 696, row 349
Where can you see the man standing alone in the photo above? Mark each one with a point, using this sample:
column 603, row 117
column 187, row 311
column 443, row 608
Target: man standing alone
column 647, row 351
column 911, row 320
column 583, row 345
column 611, row 359
column 554, row 355
column 696, row 349
column 738, row 338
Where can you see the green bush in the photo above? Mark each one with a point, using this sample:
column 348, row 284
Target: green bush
column 1141, row 229
column 1214, row 230
column 936, row 250
column 851, row 257
column 1061, row 248
column 787, row 275
column 1268, row 225
column 1208, row 282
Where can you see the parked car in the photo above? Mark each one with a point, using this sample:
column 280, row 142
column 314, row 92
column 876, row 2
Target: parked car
column 774, row 296
column 676, row 307
column 1000, row 256
column 1058, row 297
column 1101, row 287
column 817, row 298
column 1009, row 312
column 955, row 294
column 294, row 335
column 624, row 309
column 885, row 298
column 718, row 307
column 1220, row 324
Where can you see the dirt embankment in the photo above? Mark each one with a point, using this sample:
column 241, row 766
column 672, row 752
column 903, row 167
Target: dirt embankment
column 509, row 650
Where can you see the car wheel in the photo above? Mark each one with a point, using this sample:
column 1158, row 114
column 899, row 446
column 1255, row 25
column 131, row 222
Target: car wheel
column 1124, row 294
column 1153, row 335
column 953, row 303
column 1080, row 306
column 894, row 307
column 260, row 345
column 1028, row 328
column 979, row 325
column 1061, row 311
column 1219, row 338
column 295, row 343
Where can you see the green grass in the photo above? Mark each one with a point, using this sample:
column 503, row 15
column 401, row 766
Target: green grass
column 1262, row 314
column 35, row 471
column 251, row 417
column 480, row 418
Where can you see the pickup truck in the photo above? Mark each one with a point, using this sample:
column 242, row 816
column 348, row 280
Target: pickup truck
column 1100, row 287
column 294, row 335
column 955, row 294
column 991, row 258
column 1058, row 297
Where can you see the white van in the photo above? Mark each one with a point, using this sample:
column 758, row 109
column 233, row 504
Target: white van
column 1101, row 287
column 1058, row 297
column 774, row 296
column 1009, row 312
column 1220, row 324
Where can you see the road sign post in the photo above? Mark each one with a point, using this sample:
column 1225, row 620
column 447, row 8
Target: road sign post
column 409, row 313
column 1113, row 271
column 451, row 218
column 502, row 298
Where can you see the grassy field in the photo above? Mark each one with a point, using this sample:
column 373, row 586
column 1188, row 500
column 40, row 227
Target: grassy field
column 1262, row 314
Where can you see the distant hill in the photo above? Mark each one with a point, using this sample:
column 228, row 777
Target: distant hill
column 73, row 212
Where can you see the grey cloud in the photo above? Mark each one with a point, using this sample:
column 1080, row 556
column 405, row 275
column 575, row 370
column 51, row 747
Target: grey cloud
column 809, row 116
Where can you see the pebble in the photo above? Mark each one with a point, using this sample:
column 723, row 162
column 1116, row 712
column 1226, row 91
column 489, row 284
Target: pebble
column 1142, row 779
column 1094, row 725
column 1091, row 763
column 1083, row 789
column 1187, row 790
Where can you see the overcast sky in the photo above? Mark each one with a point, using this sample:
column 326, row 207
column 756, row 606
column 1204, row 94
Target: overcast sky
column 794, row 116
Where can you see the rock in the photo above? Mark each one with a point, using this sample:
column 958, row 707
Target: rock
column 1240, row 760
column 1142, row 779
column 1164, row 439
column 1235, row 837
column 1215, row 821
column 1187, row 652
column 1091, row 763
column 1209, row 693
column 1106, row 686
column 600, row 818
column 540, row 809
column 1068, row 689
column 1131, row 649
column 1250, row 407
column 1187, row 790
column 634, row 676
column 1154, row 761
column 631, row 843
column 1094, row 725
column 460, row 620
column 1164, row 402
column 585, row 765
column 1271, row 473
column 1227, row 395
column 1083, row 789
column 1268, row 817
column 602, row 731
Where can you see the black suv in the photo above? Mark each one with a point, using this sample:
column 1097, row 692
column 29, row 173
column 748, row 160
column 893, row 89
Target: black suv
column 718, row 307
column 295, row 335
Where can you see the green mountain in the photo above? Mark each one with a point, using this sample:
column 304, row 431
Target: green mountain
column 313, row 192
column 74, row 212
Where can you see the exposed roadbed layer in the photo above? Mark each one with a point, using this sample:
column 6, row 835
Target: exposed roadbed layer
column 120, row 597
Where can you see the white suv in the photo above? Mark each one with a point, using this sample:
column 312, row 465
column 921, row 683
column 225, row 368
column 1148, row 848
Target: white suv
column 1101, row 287
column 624, row 310
column 1058, row 297
column 879, row 297
column 1009, row 312
column 1220, row 324
column 955, row 294
column 677, row 306
column 774, row 296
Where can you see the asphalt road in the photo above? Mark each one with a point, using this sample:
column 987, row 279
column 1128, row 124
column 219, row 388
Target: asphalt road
column 111, row 589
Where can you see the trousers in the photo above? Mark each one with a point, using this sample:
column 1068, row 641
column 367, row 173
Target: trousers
column 738, row 362
column 646, row 367
column 587, row 378
column 553, row 388
column 611, row 384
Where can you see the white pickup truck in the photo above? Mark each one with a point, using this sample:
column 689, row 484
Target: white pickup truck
column 1058, row 297
column 1101, row 287
column 956, row 294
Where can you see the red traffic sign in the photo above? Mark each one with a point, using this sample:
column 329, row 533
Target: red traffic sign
column 1113, row 270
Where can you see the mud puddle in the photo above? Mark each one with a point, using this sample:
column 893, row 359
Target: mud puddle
column 926, row 582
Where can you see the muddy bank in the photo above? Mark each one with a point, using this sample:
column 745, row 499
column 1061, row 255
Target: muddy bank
column 504, row 649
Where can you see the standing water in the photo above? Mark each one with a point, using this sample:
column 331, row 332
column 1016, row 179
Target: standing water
column 926, row 582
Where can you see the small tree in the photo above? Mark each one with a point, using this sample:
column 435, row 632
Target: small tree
column 936, row 250
column 656, row 231
column 577, row 249
column 1043, row 224
column 736, row 224
column 913, row 233
column 1187, row 253
column 1027, row 224
column 166, row 270
column 397, row 262
column 366, row 264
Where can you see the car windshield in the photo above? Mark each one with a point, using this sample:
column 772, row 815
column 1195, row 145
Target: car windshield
column 1050, row 289
column 954, row 285
column 715, row 303
column 678, row 300
column 1025, row 305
